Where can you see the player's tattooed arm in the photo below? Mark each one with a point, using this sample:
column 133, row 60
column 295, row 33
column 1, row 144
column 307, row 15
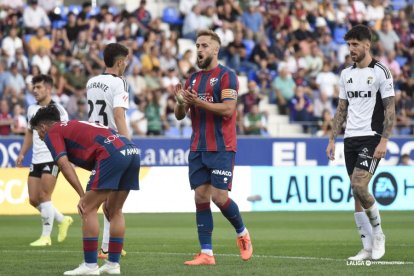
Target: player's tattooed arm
column 389, row 109
column 339, row 119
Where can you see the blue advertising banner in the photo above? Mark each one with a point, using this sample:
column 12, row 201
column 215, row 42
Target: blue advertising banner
column 327, row 188
column 251, row 151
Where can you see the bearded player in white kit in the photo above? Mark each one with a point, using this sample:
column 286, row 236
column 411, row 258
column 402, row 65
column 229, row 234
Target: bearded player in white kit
column 366, row 102
column 43, row 170
column 108, row 100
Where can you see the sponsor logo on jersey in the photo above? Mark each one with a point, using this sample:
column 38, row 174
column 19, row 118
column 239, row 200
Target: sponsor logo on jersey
column 358, row 94
column 221, row 172
column 206, row 98
column 130, row 151
column 111, row 138
column 213, row 81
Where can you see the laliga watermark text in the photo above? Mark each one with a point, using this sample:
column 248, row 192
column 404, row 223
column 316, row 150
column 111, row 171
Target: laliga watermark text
column 370, row 263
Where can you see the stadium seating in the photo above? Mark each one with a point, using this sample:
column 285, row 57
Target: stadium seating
column 172, row 16
column 249, row 44
column 339, row 33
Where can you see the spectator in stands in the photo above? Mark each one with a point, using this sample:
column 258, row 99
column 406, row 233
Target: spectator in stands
column 392, row 64
column 58, row 85
column 325, row 124
column 80, row 47
column 6, row 119
column 209, row 18
column 15, row 84
column 153, row 114
column 11, row 42
column 127, row 38
column 387, row 36
column 356, row 12
column 375, row 12
column 252, row 97
column 60, row 42
column 314, row 61
column 328, row 47
column 300, row 107
column 192, row 23
column 19, row 125
column 4, row 76
column 254, row 122
column 228, row 10
column 171, row 43
column 328, row 82
column 327, row 11
column 34, row 17
column 237, row 58
column 143, row 18
column 167, row 60
column 103, row 10
column 137, row 84
column 94, row 62
column 253, row 19
column 341, row 12
column 150, row 59
column 82, row 20
column 263, row 75
column 170, row 80
column 108, row 29
column 21, row 60
column 185, row 64
column 260, row 51
column 133, row 61
column 321, row 103
column 138, row 121
column 226, row 37
column 71, row 28
column 42, row 59
column 153, row 80
column 303, row 32
column 186, row 6
column 38, row 41
column 75, row 78
column 405, row 160
column 284, row 89
column 404, row 113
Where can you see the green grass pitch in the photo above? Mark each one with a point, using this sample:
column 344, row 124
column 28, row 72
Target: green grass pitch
column 285, row 243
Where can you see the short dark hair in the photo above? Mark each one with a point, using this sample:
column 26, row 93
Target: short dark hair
column 112, row 52
column 359, row 32
column 209, row 33
column 42, row 78
column 49, row 113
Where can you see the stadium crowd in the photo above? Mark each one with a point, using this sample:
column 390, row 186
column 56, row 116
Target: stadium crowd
column 291, row 52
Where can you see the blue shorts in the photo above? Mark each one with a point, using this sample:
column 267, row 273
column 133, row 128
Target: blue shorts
column 119, row 172
column 212, row 167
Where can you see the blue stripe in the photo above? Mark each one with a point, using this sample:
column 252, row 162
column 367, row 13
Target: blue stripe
column 202, row 144
column 219, row 119
column 50, row 146
column 118, row 240
column 232, row 80
column 90, row 239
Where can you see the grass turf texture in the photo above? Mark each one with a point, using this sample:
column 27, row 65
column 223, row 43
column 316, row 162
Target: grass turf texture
column 285, row 243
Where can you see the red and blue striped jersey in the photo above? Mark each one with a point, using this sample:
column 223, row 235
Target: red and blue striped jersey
column 212, row 132
column 84, row 143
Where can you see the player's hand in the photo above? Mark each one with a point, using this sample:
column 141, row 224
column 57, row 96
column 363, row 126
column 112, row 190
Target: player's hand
column 178, row 92
column 330, row 150
column 81, row 206
column 381, row 149
column 190, row 97
column 19, row 160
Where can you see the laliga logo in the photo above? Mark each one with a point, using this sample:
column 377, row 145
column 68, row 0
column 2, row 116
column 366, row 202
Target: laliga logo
column 384, row 188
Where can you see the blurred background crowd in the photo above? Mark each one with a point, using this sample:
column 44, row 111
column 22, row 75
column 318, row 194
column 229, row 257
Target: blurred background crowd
column 288, row 55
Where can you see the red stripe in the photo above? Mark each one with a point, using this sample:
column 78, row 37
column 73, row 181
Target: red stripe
column 89, row 245
column 229, row 186
column 115, row 247
column 195, row 118
column 225, row 205
column 229, row 133
column 118, row 143
column 211, row 142
column 202, row 206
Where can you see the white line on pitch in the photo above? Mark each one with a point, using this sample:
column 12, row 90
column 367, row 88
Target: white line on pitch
column 186, row 254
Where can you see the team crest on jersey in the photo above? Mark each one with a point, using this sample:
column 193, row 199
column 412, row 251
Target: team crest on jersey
column 194, row 81
column 213, row 81
column 370, row 80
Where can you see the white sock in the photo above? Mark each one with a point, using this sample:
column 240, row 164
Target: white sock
column 47, row 214
column 374, row 218
column 105, row 235
column 364, row 229
column 207, row 251
column 91, row 265
column 244, row 232
column 58, row 215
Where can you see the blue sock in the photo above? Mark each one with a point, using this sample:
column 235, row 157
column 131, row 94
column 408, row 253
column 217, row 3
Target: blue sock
column 115, row 249
column 204, row 225
column 90, row 250
column 231, row 211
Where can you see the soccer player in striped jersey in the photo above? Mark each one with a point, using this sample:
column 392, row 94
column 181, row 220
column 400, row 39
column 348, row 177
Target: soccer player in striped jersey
column 210, row 96
column 43, row 170
column 367, row 104
column 114, row 164
column 108, row 100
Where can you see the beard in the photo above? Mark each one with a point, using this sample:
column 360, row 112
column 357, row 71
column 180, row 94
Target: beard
column 358, row 58
column 205, row 63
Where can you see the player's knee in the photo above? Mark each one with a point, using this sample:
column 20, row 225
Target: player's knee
column 358, row 188
column 201, row 198
column 219, row 199
column 34, row 202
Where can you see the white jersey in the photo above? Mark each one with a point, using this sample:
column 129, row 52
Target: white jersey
column 104, row 93
column 41, row 153
column 364, row 89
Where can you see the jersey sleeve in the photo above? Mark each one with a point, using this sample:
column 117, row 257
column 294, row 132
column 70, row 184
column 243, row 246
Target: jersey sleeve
column 386, row 83
column 229, row 86
column 63, row 113
column 342, row 90
column 55, row 143
column 121, row 95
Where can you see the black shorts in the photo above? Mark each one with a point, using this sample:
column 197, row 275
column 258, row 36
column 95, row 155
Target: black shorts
column 36, row 170
column 359, row 152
